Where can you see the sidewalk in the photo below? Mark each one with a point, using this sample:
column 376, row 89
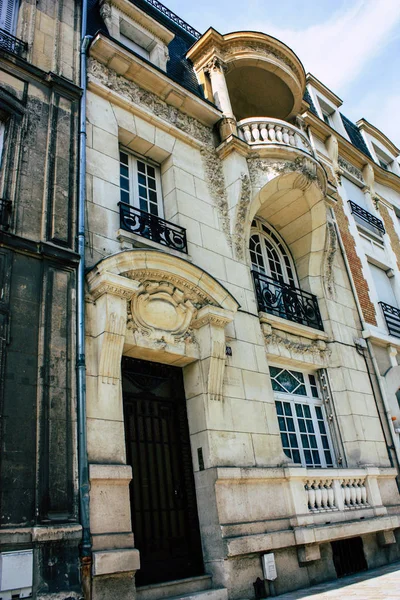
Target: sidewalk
column 376, row 584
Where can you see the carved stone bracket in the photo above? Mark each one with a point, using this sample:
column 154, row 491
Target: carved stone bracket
column 214, row 349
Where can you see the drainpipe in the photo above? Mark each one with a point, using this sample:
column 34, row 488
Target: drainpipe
column 389, row 446
column 83, row 468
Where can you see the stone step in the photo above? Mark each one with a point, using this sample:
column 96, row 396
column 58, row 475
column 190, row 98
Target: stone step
column 175, row 589
column 211, row 594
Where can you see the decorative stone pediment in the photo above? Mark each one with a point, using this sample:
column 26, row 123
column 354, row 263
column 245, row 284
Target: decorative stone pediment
column 148, row 304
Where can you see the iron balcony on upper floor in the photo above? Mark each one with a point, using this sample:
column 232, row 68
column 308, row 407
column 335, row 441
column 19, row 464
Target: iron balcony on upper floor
column 369, row 220
column 392, row 318
column 12, row 44
column 285, row 301
column 268, row 131
column 152, row 227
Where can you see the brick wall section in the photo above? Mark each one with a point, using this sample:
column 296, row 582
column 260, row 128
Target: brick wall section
column 360, row 282
column 390, row 230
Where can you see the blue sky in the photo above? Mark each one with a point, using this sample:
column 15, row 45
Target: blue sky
column 353, row 46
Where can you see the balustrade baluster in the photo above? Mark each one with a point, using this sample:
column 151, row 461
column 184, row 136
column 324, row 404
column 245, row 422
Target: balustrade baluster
column 318, row 495
column 324, row 494
column 347, row 494
column 311, row 496
column 292, row 139
column 363, row 493
column 331, row 496
column 271, row 132
column 264, row 132
column 255, row 132
column 247, row 133
column 358, row 492
column 278, row 130
column 353, row 493
column 285, row 135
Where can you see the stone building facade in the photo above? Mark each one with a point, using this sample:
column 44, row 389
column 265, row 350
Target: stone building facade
column 241, row 380
column 39, row 103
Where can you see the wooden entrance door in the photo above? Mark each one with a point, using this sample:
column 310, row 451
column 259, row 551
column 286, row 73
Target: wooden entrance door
column 162, row 492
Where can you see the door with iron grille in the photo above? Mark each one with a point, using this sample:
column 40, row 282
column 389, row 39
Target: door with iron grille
column 162, row 492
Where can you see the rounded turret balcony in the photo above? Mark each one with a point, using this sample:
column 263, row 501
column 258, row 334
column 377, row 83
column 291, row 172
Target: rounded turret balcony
column 248, row 74
column 267, row 132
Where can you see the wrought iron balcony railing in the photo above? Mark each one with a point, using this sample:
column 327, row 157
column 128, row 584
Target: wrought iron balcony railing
column 282, row 300
column 11, row 43
column 5, row 213
column 366, row 216
column 153, row 228
column 392, row 318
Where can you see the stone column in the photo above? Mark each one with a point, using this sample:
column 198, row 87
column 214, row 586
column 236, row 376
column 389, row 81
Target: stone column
column 216, row 70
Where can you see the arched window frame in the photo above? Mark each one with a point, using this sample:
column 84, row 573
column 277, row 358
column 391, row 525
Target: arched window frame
column 271, row 238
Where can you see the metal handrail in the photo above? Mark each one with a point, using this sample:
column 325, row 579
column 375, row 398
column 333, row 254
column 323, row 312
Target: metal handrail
column 171, row 15
column 152, row 227
column 392, row 318
column 286, row 301
column 366, row 216
column 11, row 43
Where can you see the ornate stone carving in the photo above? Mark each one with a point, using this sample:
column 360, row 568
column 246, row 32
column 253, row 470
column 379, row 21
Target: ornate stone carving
column 305, row 167
column 239, row 241
column 193, row 293
column 161, row 311
column 316, row 347
column 259, row 48
column 330, row 252
column 216, row 183
column 346, row 166
column 106, row 13
column 215, row 64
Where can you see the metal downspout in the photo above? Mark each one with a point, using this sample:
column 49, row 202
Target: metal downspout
column 390, row 447
column 83, row 468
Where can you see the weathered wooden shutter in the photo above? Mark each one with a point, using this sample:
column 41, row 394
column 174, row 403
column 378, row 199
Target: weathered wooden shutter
column 8, row 15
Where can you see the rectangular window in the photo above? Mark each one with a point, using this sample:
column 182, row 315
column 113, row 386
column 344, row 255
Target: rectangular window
column 302, row 423
column 129, row 43
column 8, row 15
column 383, row 285
column 140, row 183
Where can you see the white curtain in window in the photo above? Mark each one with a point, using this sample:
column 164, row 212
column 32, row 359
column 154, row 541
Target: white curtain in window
column 8, row 15
column 383, row 286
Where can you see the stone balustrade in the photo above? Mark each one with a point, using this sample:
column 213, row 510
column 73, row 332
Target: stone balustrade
column 259, row 130
column 325, row 494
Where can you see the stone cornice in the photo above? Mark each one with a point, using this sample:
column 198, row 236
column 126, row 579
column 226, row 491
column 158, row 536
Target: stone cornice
column 351, row 153
column 137, row 15
column 318, row 85
column 374, row 132
column 131, row 67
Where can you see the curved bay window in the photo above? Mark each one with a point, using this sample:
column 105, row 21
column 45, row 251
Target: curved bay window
column 275, row 279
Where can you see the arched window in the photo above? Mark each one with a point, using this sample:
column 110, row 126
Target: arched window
column 269, row 255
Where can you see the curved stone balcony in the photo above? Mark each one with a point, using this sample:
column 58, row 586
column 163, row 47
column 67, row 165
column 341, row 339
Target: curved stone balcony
column 259, row 130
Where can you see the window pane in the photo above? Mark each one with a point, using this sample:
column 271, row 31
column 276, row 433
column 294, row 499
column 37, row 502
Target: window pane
column 322, row 426
column 288, row 453
column 143, row 204
column 141, row 179
column 153, row 196
column 307, row 411
column 152, row 184
column 296, row 456
column 299, row 410
column 123, row 157
column 150, row 171
column 328, row 458
column 124, row 197
column 304, row 441
column 307, row 456
column 285, row 440
column 153, row 209
column 282, row 425
column 313, row 441
column 293, row 440
column 310, row 426
column 142, row 192
column 279, row 408
column 325, row 442
column 141, row 166
column 302, row 426
column 124, row 170
column 318, row 411
column 288, row 409
column 290, row 424
column 124, row 183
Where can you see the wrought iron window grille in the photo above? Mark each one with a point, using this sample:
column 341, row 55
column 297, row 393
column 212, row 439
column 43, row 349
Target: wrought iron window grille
column 12, row 44
column 286, row 301
column 5, row 213
column 151, row 227
column 173, row 17
column 366, row 216
column 392, row 318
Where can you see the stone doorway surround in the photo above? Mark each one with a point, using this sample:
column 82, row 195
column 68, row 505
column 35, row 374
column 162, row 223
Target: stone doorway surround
column 150, row 305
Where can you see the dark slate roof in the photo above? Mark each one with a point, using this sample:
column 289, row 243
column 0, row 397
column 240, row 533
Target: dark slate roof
column 178, row 67
column 355, row 135
column 308, row 99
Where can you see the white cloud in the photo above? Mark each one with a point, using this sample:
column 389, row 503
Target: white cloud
column 337, row 50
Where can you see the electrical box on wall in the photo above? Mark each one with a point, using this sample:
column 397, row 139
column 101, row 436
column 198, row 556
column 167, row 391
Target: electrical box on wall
column 269, row 567
column 16, row 572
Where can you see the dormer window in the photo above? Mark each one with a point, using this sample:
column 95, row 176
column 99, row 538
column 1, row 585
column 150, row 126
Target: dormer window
column 327, row 118
column 383, row 160
column 132, row 45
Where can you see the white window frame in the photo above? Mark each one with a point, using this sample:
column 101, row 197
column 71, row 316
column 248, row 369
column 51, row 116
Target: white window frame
column 133, row 159
column 312, row 402
column 257, row 229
